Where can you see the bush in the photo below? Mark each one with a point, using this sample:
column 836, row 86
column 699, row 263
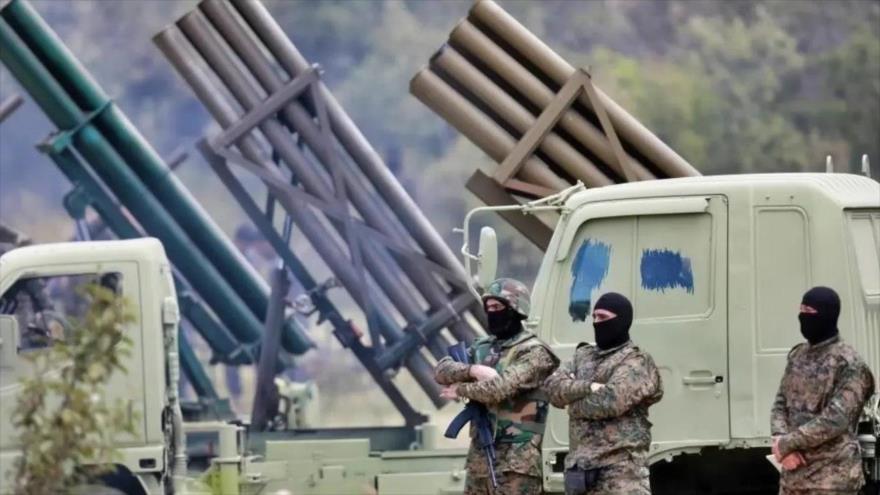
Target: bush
column 66, row 427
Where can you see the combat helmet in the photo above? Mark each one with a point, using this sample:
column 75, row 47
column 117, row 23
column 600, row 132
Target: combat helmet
column 513, row 292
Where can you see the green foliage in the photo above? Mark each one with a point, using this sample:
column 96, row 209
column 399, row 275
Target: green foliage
column 852, row 109
column 400, row 46
column 63, row 421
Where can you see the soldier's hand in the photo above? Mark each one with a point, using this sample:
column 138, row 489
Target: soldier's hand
column 793, row 461
column 450, row 393
column 482, row 373
column 595, row 387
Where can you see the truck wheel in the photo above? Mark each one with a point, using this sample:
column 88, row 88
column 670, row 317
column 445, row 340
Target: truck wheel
column 117, row 482
column 96, row 490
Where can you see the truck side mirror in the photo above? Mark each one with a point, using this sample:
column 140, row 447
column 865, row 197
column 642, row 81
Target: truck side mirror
column 488, row 254
column 8, row 340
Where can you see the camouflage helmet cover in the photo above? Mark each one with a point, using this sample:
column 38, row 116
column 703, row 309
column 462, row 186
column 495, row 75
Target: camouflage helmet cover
column 513, row 292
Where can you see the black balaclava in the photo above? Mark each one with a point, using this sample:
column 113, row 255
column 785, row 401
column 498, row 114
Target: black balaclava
column 505, row 323
column 820, row 326
column 614, row 332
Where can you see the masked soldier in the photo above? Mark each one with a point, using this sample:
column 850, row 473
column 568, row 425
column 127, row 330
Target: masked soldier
column 510, row 365
column 822, row 394
column 608, row 389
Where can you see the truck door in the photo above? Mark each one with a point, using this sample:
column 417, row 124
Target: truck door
column 47, row 307
column 669, row 257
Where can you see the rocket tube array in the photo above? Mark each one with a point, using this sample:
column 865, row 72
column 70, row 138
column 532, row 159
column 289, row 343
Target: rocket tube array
column 492, row 79
column 180, row 53
column 123, row 160
column 230, row 55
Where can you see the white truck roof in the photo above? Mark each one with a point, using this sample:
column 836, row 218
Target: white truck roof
column 845, row 190
column 146, row 249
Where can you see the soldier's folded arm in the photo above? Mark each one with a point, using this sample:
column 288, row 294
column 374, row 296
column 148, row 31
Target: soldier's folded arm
column 629, row 385
column 844, row 407
column 562, row 389
column 449, row 372
column 527, row 371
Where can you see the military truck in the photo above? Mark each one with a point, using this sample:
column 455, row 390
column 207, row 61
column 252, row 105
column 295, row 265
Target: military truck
column 715, row 267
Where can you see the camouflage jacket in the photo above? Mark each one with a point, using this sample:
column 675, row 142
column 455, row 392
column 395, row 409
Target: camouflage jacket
column 610, row 424
column 816, row 412
column 523, row 363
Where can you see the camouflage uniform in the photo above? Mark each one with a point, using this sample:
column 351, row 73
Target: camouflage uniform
column 516, row 406
column 609, row 427
column 817, row 409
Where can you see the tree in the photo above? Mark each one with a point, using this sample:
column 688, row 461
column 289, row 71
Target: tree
column 63, row 421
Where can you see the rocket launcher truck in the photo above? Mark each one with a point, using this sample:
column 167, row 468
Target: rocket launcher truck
column 714, row 264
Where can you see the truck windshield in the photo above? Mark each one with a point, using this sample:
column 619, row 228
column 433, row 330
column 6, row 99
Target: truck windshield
column 45, row 307
column 864, row 227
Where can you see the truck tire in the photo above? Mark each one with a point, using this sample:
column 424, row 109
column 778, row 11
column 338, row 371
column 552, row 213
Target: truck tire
column 117, row 482
column 92, row 489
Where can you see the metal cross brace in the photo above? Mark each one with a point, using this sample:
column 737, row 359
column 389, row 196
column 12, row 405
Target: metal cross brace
column 580, row 82
column 498, row 189
column 343, row 329
column 289, row 195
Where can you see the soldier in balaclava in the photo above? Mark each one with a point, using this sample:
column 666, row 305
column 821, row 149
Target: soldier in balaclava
column 822, row 394
column 510, row 365
column 608, row 388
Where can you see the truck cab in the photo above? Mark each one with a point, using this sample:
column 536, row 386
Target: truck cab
column 715, row 268
column 141, row 272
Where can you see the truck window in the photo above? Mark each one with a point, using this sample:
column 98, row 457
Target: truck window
column 600, row 263
column 45, row 307
column 782, row 274
column 663, row 263
column 674, row 266
column 865, row 230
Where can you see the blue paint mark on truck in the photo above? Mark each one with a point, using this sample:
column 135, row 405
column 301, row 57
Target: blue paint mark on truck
column 664, row 270
column 589, row 269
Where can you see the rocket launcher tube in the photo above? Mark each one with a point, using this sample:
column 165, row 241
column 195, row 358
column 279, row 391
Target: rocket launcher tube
column 182, row 56
column 506, row 27
column 140, row 157
column 372, row 207
column 195, row 27
column 107, row 164
column 352, row 139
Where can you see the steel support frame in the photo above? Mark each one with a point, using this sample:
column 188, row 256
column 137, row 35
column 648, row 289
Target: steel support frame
column 9, row 105
column 499, row 189
column 343, row 329
column 217, row 151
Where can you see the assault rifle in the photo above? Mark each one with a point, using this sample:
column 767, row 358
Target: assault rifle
column 476, row 413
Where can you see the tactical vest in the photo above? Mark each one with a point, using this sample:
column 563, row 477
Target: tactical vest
column 519, row 418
